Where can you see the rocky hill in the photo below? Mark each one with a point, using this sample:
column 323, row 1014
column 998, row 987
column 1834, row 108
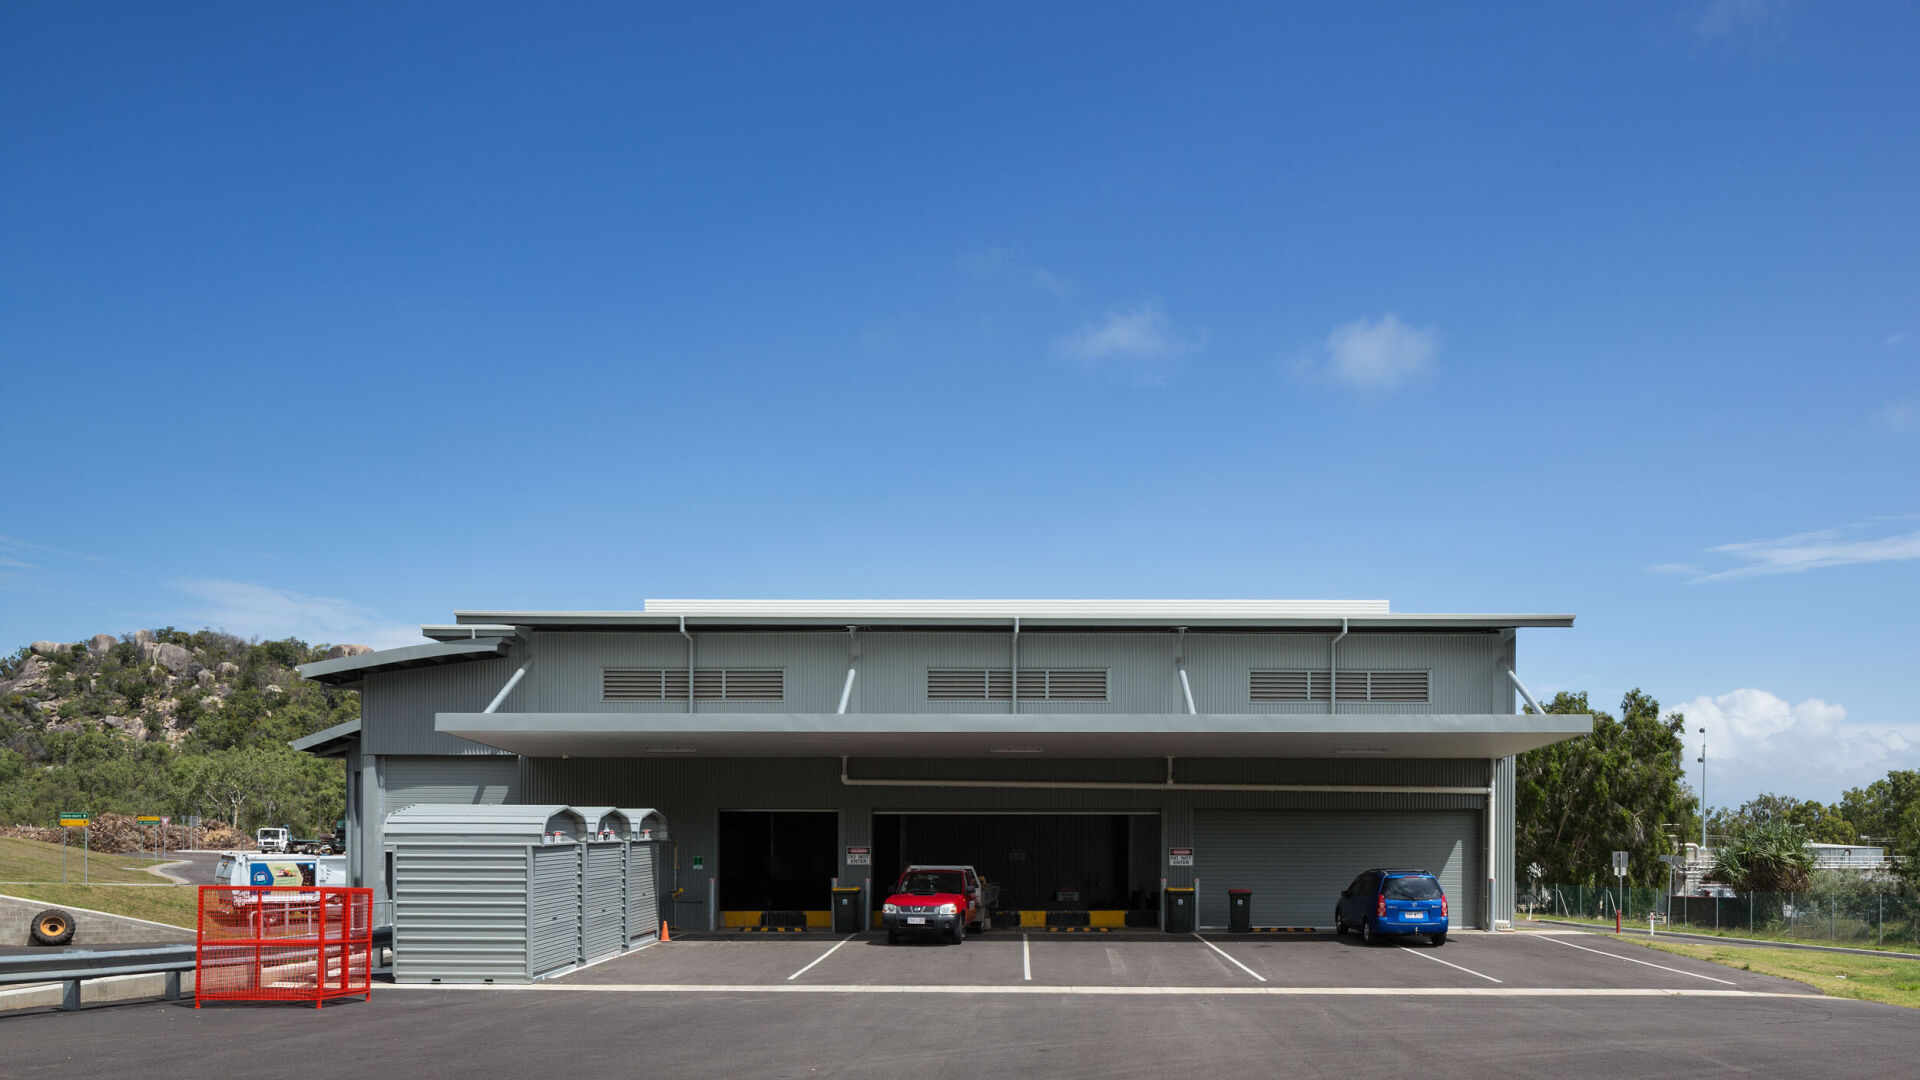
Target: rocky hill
column 166, row 720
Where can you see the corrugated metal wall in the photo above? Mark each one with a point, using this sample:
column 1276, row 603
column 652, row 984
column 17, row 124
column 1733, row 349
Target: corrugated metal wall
column 464, row 913
column 397, row 707
column 1142, row 676
column 403, row 781
column 691, row 793
column 1296, row 863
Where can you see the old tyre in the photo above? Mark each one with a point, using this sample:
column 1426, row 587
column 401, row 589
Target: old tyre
column 52, row 927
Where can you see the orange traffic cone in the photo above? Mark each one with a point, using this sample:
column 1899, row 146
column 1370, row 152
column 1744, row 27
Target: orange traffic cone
column 664, row 934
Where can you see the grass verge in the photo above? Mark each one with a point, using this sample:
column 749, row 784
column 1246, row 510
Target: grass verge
column 32, row 861
column 1890, row 981
column 1890, row 944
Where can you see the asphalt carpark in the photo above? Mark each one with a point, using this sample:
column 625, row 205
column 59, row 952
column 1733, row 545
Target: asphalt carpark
column 1554, row 962
column 1097, row 1006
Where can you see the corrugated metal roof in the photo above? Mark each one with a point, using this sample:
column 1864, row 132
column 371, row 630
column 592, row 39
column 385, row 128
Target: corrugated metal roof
column 1037, row 609
column 330, row 742
column 502, row 823
column 995, row 613
column 350, row 670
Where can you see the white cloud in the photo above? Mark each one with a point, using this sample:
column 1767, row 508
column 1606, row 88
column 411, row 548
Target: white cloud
column 1902, row 415
column 251, row 610
column 1725, row 18
column 1142, row 337
column 1810, row 551
column 1898, row 338
column 1757, row 741
column 1379, row 354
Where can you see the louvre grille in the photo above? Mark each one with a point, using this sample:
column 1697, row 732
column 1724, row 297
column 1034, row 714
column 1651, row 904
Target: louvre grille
column 710, row 684
column 1401, row 687
column 1044, row 684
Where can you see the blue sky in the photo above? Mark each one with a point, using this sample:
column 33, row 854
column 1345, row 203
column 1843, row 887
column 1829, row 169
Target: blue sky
column 331, row 322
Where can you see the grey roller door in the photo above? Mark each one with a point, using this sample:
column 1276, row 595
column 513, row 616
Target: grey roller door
column 603, row 930
column 553, row 909
column 1296, row 861
column 643, row 910
column 466, row 780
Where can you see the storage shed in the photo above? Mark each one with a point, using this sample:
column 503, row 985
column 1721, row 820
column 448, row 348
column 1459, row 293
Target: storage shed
column 605, row 881
column 485, row 893
column 648, row 835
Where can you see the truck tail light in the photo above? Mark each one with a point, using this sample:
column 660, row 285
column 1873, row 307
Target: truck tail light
column 1380, row 905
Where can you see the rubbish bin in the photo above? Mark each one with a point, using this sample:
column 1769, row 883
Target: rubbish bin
column 846, row 909
column 1179, row 911
column 1240, row 911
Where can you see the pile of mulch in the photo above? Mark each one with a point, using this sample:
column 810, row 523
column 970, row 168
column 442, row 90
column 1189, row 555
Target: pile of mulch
column 118, row 834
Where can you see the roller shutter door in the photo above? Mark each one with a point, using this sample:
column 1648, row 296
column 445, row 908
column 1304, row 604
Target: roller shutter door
column 1296, row 862
column 643, row 908
column 603, row 930
column 553, row 909
column 466, row 780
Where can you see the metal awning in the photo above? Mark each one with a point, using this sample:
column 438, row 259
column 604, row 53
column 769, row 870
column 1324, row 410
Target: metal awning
column 658, row 734
column 330, row 742
column 350, row 670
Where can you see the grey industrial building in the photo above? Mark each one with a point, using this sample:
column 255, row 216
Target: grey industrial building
column 1084, row 754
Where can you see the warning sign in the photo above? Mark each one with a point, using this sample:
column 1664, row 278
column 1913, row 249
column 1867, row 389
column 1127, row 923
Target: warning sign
column 1180, row 856
column 859, row 856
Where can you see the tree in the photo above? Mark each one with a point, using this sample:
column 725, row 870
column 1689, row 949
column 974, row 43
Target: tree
column 1578, row 801
column 1888, row 811
column 1772, row 857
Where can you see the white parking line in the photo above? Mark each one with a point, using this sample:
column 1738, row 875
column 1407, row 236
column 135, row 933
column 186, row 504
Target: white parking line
column 822, row 956
column 1026, row 958
column 1230, row 959
column 1114, row 991
column 1631, row 960
column 1449, row 963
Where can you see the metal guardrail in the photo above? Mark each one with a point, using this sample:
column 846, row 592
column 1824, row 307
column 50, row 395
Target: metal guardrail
column 74, row 966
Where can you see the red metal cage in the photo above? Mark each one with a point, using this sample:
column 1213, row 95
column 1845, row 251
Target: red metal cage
column 283, row 943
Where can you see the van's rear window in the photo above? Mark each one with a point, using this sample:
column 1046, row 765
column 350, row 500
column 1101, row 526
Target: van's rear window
column 1413, row 888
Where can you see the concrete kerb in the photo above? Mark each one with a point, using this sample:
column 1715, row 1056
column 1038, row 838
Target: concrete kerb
column 1715, row 939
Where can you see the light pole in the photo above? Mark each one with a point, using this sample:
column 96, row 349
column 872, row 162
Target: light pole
column 1703, row 792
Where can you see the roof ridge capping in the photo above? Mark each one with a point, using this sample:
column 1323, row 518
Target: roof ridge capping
column 1008, row 607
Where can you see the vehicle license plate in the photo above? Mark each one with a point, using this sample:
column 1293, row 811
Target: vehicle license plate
column 916, row 920
column 1415, row 915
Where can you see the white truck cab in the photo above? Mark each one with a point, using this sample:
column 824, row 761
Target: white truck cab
column 270, row 839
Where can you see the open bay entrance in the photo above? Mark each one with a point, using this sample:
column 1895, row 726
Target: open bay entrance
column 777, row 860
column 1087, row 869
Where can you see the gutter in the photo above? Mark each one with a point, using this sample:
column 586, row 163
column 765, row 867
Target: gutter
column 1168, row 785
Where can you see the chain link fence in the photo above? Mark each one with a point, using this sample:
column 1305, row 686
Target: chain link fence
column 1861, row 913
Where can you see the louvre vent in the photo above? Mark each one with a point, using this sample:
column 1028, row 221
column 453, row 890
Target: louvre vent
column 710, row 684
column 1402, row 687
column 995, row 684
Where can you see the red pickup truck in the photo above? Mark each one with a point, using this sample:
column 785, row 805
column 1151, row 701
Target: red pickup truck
column 941, row 900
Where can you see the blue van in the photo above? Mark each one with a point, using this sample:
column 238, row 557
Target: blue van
column 1383, row 902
